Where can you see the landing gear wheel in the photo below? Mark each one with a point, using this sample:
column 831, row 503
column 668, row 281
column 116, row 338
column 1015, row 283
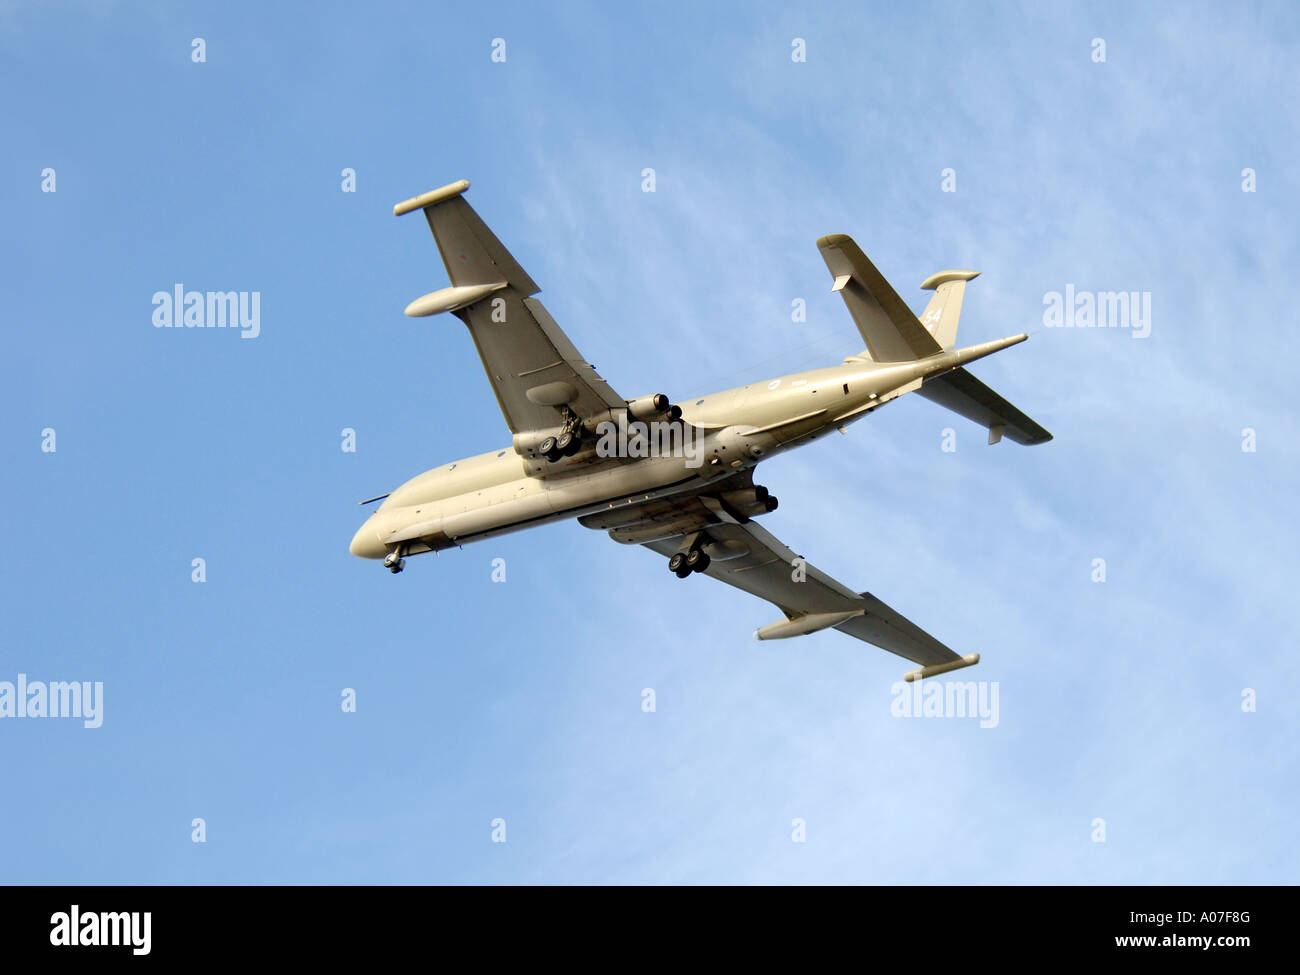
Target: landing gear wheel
column 394, row 562
column 397, row 566
column 569, row 443
column 548, row 449
column 697, row 560
column 677, row 564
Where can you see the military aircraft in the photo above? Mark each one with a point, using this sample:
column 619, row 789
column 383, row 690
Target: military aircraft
column 677, row 478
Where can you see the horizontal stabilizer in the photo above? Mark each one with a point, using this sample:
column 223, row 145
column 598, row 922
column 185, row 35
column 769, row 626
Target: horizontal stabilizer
column 892, row 333
column 966, row 396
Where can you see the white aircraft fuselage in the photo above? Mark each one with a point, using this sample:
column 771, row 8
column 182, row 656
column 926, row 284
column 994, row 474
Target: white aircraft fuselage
column 495, row 493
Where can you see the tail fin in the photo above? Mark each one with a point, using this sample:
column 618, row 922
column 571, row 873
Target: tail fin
column 958, row 390
column 893, row 334
column 944, row 309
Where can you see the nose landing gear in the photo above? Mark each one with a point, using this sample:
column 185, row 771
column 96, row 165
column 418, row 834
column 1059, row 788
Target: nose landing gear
column 394, row 562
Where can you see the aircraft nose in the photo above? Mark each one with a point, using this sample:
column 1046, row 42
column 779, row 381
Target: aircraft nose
column 366, row 543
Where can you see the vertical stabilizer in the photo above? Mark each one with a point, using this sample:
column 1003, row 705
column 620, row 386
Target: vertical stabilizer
column 944, row 309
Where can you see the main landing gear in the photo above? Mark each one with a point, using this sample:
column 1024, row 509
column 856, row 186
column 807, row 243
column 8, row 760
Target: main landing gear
column 568, row 443
column 683, row 564
column 394, row 562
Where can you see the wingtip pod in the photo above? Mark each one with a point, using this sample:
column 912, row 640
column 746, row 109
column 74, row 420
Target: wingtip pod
column 970, row 660
column 432, row 197
column 833, row 240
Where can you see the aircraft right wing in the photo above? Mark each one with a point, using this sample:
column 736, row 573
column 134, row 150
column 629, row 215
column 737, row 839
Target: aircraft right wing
column 747, row 556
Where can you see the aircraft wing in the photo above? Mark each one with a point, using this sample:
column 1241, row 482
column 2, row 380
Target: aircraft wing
column 530, row 362
column 747, row 556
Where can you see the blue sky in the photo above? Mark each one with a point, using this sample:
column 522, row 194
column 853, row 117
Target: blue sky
column 521, row 700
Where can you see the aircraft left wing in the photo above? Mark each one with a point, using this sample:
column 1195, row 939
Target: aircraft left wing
column 747, row 556
column 534, row 369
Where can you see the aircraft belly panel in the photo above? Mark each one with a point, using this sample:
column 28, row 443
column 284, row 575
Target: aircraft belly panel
column 487, row 510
